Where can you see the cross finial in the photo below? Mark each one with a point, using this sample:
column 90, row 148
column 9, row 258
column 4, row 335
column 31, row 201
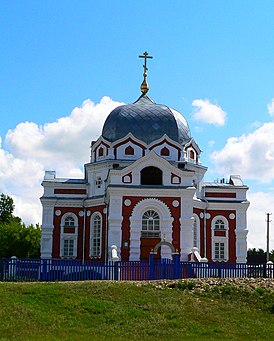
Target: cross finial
column 144, row 85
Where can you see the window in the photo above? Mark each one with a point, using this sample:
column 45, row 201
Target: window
column 95, row 236
column 68, row 248
column 219, row 251
column 151, row 176
column 68, row 236
column 192, row 155
column 101, row 152
column 220, row 240
column 165, row 151
column 129, row 150
column 219, row 224
column 69, row 221
column 150, row 224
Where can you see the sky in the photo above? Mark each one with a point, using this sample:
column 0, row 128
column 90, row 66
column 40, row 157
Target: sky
column 66, row 64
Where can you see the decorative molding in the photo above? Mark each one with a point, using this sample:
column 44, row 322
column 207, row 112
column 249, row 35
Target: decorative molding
column 175, row 203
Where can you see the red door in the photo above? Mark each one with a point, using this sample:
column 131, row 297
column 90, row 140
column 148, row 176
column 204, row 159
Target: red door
column 147, row 245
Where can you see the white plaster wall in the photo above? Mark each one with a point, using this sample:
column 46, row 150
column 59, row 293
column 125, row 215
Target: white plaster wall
column 120, row 152
column 47, row 230
column 241, row 234
column 173, row 152
column 186, row 221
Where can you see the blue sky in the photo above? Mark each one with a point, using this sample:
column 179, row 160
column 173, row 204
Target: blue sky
column 57, row 54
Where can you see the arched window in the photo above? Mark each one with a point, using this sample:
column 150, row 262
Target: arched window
column 151, row 176
column 69, row 234
column 220, row 242
column 165, row 151
column 96, row 235
column 219, row 224
column 101, row 152
column 191, row 154
column 129, row 150
column 150, row 224
column 69, row 221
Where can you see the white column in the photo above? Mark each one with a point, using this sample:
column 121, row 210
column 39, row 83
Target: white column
column 115, row 223
column 111, row 153
column 241, row 234
column 47, row 230
column 186, row 221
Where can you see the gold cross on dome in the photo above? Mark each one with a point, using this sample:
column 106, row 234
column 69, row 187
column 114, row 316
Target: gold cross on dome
column 145, row 56
column 144, row 85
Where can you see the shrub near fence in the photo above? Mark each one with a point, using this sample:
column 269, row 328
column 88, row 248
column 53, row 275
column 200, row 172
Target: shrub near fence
column 17, row 269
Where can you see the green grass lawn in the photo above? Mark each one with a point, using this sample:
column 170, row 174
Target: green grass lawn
column 176, row 310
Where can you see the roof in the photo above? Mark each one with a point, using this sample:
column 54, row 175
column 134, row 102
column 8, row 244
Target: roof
column 147, row 121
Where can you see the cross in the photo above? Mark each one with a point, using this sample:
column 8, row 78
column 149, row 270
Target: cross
column 145, row 56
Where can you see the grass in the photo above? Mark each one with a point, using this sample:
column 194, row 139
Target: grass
column 178, row 310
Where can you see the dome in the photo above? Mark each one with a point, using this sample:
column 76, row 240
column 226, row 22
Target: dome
column 147, row 121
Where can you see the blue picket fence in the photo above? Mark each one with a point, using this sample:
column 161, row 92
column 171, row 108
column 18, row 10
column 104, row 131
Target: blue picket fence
column 49, row 270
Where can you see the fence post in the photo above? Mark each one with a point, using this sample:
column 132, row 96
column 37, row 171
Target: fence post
column 176, row 263
column 13, row 268
column 116, row 271
column 43, row 270
column 151, row 266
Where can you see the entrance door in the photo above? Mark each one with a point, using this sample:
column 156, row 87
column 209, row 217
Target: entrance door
column 148, row 244
column 150, row 234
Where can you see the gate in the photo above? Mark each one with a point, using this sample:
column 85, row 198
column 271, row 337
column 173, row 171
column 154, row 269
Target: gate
column 164, row 268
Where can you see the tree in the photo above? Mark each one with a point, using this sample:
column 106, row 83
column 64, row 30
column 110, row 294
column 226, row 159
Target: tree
column 258, row 256
column 17, row 239
column 6, row 208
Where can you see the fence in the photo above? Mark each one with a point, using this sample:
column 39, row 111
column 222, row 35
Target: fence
column 49, row 270
column 25, row 270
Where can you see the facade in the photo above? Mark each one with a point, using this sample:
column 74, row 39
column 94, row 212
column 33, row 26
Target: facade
column 144, row 184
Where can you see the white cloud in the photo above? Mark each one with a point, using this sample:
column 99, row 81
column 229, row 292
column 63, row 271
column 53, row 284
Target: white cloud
column 270, row 108
column 211, row 143
column 66, row 139
column 63, row 146
column 260, row 204
column 208, row 113
column 250, row 155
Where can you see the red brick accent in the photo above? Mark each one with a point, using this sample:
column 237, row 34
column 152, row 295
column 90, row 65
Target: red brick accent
column 69, row 191
column 127, row 211
column 129, row 150
column 197, row 211
column 69, row 229
column 76, row 210
column 147, row 244
column 170, row 144
column 231, row 232
column 220, row 233
column 101, row 151
column 126, row 141
column 165, row 151
column 220, row 195
column 100, row 209
column 101, row 144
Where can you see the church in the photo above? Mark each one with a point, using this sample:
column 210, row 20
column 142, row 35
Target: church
column 144, row 184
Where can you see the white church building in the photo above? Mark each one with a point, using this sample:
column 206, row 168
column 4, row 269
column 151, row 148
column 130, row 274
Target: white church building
column 144, row 183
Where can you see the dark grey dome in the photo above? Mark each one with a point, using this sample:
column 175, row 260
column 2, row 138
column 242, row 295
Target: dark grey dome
column 147, row 121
